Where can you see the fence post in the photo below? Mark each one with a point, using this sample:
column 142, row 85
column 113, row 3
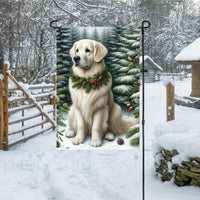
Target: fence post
column 170, row 101
column 5, row 107
column 1, row 116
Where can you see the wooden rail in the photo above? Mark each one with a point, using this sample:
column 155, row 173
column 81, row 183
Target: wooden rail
column 24, row 103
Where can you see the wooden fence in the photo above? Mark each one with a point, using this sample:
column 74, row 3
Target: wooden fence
column 25, row 110
column 174, row 76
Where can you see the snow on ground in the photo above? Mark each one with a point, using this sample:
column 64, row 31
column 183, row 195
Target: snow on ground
column 37, row 170
column 155, row 106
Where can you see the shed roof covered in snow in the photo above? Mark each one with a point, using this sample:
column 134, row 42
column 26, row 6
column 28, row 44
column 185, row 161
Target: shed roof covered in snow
column 190, row 54
column 148, row 59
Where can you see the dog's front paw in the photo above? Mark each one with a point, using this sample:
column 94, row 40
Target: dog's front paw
column 78, row 140
column 96, row 142
column 70, row 133
column 109, row 136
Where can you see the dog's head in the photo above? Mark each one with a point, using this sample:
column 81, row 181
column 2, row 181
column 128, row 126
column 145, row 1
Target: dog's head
column 86, row 52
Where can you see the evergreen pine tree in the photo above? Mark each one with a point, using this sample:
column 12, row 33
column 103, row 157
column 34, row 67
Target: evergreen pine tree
column 95, row 35
column 112, row 46
column 84, row 34
column 127, row 83
column 64, row 62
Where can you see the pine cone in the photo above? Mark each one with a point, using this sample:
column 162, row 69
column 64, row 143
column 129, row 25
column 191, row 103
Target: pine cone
column 57, row 144
column 120, row 141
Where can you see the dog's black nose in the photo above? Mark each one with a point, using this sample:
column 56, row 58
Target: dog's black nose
column 77, row 58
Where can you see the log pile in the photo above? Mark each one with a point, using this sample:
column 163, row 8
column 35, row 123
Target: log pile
column 185, row 174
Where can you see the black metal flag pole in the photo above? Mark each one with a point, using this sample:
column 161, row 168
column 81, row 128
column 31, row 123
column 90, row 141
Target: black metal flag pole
column 145, row 24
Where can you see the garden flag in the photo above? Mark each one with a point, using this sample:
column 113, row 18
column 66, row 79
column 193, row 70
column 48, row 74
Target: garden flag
column 98, row 79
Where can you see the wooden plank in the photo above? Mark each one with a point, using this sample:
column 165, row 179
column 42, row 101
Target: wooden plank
column 1, row 116
column 32, row 87
column 35, row 104
column 48, row 94
column 16, row 109
column 170, row 102
column 51, row 111
column 25, row 118
column 28, row 127
column 28, row 117
column 13, row 89
column 32, row 136
column 6, row 108
column 43, row 103
column 17, row 99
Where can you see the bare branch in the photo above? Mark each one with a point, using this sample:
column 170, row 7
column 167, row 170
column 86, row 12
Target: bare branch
column 72, row 15
column 43, row 7
column 92, row 6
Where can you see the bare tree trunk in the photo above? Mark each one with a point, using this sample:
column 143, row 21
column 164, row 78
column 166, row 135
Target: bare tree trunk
column 11, row 37
column 19, row 40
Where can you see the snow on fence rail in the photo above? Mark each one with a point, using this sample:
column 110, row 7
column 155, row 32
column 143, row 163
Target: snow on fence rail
column 174, row 76
column 25, row 110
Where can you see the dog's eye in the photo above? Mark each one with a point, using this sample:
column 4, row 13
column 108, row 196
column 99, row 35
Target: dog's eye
column 77, row 50
column 87, row 50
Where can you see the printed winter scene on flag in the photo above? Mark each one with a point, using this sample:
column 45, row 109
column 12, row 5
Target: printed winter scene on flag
column 98, row 79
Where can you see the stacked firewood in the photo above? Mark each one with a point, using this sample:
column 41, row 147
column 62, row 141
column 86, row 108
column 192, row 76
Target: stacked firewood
column 184, row 174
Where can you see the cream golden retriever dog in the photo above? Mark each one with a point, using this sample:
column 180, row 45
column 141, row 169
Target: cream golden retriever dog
column 94, row 112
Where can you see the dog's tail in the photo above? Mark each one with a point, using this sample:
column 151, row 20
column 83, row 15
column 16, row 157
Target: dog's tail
column 124, row 126
column 117, row 125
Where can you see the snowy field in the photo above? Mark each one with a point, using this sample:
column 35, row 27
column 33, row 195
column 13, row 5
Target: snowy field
column 37, row 170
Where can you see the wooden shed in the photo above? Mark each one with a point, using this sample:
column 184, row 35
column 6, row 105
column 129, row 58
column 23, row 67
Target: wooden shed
column 152, row 69
column 190, row 55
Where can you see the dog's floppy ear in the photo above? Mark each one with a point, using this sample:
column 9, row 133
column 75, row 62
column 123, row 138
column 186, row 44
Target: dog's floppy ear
column 72, row 51
column 100, row 51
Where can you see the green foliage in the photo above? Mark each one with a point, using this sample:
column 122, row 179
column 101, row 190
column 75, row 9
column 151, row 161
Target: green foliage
column 135, row 141
column 132, row 131
column 60, row 119
column 126, row 79
column 95, row 82
column 59, row 135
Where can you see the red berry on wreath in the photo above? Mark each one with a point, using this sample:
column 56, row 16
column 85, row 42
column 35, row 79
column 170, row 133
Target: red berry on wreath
column 88, row 81
column 128, row 105
column 103, row 75
column 79, row 77
column 131, row 108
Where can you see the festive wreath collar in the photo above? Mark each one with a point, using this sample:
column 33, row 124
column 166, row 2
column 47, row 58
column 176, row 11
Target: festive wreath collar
column 94, row 82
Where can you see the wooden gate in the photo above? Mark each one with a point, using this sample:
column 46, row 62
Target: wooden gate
column 25, row 110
